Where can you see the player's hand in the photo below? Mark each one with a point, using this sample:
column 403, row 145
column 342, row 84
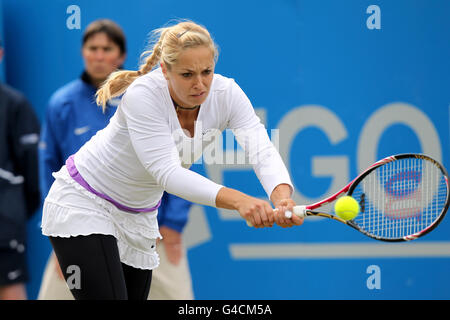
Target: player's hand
column 256, row 211
column 172, row 241
column 280, row 219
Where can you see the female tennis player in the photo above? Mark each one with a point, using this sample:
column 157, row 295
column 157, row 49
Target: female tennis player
column 100, row 213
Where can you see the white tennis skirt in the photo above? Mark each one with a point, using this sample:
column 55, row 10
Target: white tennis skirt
column 70, row 210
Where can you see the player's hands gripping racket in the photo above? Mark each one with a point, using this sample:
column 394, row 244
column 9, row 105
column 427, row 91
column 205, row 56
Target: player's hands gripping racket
column 401, row 197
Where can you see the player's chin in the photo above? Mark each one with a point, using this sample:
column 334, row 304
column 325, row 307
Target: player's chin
column 198, row 99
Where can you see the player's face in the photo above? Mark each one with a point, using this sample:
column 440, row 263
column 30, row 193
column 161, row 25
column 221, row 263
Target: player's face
column 101, row 56
column 190, row 78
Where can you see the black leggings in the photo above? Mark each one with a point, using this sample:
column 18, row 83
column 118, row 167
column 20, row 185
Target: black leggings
column 93, row 271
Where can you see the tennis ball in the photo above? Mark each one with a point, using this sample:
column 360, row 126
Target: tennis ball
column 346, row 208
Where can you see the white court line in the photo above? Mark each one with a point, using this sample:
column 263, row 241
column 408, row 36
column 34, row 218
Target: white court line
column 335, row 250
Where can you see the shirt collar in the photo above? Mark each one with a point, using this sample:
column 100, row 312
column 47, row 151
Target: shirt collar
column 86, row 78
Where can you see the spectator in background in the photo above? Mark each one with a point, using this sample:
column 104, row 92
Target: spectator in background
column 19, row 187
column 72, row 118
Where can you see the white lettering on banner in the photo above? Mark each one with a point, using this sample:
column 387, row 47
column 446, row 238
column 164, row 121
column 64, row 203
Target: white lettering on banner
column 335, row 166
column 338, row 166
column 373, row 21
column 374, row 280
column 389, row 115
column 74, row 20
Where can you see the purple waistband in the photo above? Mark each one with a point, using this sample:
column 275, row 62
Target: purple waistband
column 70, row 165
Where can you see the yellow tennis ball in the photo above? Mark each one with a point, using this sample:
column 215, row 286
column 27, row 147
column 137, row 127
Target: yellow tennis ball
column 346, row 208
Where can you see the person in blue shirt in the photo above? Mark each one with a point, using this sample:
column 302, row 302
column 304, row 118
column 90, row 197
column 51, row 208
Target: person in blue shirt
column 72, row 118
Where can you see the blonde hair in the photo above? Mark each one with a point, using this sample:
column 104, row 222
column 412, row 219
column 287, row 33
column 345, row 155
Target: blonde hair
column 170, row 42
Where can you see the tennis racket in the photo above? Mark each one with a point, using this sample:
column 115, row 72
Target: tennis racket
column 402, row 197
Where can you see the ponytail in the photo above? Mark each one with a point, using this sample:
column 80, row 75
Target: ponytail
column 118, row 81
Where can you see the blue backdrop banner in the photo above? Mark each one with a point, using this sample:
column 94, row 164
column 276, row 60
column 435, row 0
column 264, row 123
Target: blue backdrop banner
column 339, row 85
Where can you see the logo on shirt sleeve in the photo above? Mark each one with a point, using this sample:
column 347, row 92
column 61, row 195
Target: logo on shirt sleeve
column 81, row 130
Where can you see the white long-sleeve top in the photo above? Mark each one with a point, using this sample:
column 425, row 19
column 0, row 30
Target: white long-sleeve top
column 142, row 151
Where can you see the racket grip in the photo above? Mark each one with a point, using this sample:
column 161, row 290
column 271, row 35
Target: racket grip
column 299, row 211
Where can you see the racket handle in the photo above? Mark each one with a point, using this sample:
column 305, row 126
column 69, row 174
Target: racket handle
column 299, row 211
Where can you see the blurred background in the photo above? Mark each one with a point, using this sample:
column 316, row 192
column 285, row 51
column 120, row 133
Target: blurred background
column 345, row 82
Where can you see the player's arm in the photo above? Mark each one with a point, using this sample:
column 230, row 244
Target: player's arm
column 154, row 145
column 281, row 198
column 258, row 212
column 267, row 163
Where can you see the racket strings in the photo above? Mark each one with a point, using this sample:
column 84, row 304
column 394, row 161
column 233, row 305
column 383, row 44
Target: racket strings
column 401, row 198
